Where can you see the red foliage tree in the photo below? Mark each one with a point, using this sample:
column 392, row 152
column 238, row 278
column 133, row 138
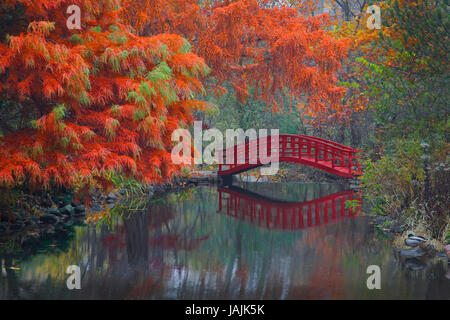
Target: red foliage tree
column 107, row 99
column 270, row 46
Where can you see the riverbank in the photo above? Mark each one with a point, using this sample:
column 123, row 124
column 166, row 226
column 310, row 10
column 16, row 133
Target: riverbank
column 34, row 216
column 397, row 233
column 395, row 226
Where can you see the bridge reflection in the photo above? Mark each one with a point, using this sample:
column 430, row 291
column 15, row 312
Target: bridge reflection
column 273, row 214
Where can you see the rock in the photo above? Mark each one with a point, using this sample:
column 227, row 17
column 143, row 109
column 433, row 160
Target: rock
column 67, row 224
column 414, row 264
column 30, row 223
column 68, row 209
column 80, row 209
column 111, row 196
column 96, row 207
column 54, row 211
column 49, row 218
column 412, row 253
column 60, row 227
column 63, row 200
column 443, row 255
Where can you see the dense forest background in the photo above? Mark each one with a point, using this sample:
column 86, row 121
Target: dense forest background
column 79, row 108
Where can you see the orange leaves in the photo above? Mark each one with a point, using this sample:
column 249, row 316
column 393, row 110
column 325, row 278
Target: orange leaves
column 24, row 86
column 184, row 17
column 51, row 87
column 38, row 67
column 42, row 28
column 249, row 43
column 196, row 105
column 107, row 100
column 123, row 94
column 111, row 126
column 241, row 91
column 274, row 49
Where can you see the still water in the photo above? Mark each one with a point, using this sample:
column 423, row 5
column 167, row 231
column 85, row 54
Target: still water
column 253, row 241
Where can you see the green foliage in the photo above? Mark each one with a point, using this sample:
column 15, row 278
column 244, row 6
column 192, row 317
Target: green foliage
column 409, row 182
column 427, row 22
column 131, row 186
column 76, row 39
column 394, row 177
column 232, row 114
column 409, row 101
column 15, row 116
column 410, row 92
column 12, row 20
column 161, row 72
column 59, row 111
column 352, row 204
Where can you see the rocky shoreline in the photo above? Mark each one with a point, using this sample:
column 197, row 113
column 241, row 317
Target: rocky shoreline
column 414, row 258
column 66, row 212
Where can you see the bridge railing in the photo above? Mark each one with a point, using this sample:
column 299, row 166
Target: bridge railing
column 321, row 152
column 287, row 216
column 329, row 142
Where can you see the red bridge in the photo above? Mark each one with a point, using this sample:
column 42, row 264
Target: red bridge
column 320, row 153
column 289, row 216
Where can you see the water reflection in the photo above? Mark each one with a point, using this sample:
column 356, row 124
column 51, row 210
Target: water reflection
column 270, row 213
column 208, row 243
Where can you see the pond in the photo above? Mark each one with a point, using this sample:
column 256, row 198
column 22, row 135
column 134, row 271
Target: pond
column 251, row 241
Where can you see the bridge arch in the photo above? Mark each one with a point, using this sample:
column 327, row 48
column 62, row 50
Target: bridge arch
column 326, row 155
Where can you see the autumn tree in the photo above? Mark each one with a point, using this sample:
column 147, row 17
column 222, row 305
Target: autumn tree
column 265, row 49
column 103, row 99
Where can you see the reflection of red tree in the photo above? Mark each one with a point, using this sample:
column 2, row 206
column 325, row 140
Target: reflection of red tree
column 168, row 241
column 159, row 216
column 141, row 291
column 113, row 242
column 141, row 233
column 242, row 274
column 326, row 280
